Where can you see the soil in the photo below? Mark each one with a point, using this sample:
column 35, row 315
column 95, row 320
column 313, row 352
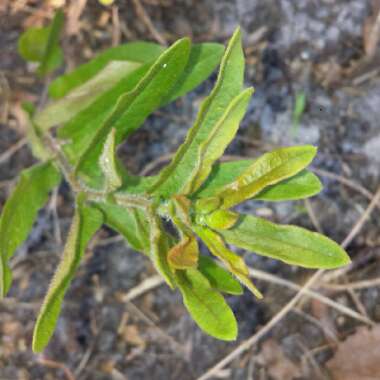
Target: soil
column 310, row 47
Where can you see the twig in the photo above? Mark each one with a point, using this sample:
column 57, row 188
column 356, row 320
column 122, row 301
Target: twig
column 53, row 364
column 286, row 309
column 143, row 15
column 261, row 275
column 12, row 150
column 353, row 285
column 312, row 216
column 146, row 285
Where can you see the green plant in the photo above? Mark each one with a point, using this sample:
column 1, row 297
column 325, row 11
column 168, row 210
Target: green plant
column 96, row 107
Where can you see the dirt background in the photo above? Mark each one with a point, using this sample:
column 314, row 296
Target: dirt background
column 327, row 50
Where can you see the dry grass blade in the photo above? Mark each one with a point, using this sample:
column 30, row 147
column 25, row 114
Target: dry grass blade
column 12, row 150
column 53, row 364
column 146, row 285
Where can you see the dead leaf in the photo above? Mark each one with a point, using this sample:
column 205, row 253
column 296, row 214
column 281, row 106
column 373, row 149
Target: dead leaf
column 371, row 30
column 358, row 357
column 278, row 365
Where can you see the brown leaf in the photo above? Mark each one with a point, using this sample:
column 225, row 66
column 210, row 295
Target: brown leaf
column 278, row 365
column 358, row 357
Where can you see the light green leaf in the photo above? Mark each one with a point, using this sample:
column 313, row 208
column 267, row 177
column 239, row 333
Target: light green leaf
column 108, row 164
column 218, row 277
column 159, row 249
column 269, row 169
column 222, row 219
column 86, row 222
column 41, row 45
column 302, row 185
column 133, row 107
column 233, row 262
column 219, row 138
column 174, row 178
column 20, row 211
column 293, row 245
column 81, row 97
column 132, row 224
column 134, row 52
column 207, row 306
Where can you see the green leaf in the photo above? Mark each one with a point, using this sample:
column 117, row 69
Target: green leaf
column 219, row 138
column 269, row 169
column 293, row 245
column 159, row 249
column 132, row 224
column 207, row 306
column 233, row 262
column 218, row 277
column 81, row 97
column 20, row 211
column 134, row 52
column 202, row 62
column 41, row 45
column 175, row 177
column 86, row 222
column 108, row 163
column 303, row 185
column 223, row 219
column 135, row 106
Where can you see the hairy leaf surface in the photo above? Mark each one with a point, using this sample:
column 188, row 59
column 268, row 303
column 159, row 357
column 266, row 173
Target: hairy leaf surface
column 86, row 222
column 139, row 52
column 175, row 177
column 269, row 169
column 291, row 244
column 20, row 211
column 207, row 306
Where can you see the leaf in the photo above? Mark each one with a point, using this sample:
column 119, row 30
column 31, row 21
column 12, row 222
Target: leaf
column 20, row 211
column 184, row 254
column 207, row 306
column 218, row 277
column 132, row 224
column 86, row 222
column 174, row 178
column 302, row 185
column 291, row 244
column 107, row 163
column 159, row 249
column 41, row 45
column 133, row 107
column 269, row 169
column 81, row 97
column 202, row 62
column 234, row 263
column 134, row 52
column 223, row 219
column 218, row 140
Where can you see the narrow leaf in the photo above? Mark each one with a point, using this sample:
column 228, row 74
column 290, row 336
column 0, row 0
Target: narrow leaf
column 293, row 245
column 108, row 163
column 81, row 97
column 269, row 169
column 207, row 306
column 134, row 52
column 302, row 185
column 86, row 222
column 20, row 211
column 132, row 108
column 219, row 138
column 175, row 177
column 218, row 277
column 234, row 263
